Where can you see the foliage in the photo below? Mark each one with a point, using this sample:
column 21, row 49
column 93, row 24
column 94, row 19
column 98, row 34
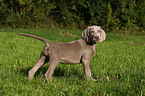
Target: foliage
column 4, row 12
column 110, row 14
column 118, row 66
column 141, row 11
column 112, row 22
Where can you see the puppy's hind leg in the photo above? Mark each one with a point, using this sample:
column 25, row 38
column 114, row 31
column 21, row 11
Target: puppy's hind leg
column 52, row 65
column 39, row 63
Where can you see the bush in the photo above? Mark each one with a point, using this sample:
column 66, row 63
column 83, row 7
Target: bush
column 111, row 15
column 4, row 12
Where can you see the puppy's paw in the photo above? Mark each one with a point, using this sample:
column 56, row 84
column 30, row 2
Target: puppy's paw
column 93, row 79
column 30, row 77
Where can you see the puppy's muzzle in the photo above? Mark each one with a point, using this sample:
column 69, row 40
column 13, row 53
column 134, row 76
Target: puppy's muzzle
column 96, row 38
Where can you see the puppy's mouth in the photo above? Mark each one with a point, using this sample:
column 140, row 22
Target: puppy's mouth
column 96, row 39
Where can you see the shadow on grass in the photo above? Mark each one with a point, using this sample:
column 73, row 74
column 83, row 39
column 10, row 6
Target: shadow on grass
column 59, row 72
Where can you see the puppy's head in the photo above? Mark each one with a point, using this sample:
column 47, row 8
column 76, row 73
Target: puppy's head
column 94, row 34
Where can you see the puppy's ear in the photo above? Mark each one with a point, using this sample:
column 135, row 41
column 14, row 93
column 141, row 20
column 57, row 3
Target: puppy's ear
column 103, row 35
column 85, row 34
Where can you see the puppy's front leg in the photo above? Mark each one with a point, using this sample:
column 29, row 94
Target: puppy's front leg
column 87, row 71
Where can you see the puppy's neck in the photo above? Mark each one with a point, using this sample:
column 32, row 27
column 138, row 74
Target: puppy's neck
column 91, row 43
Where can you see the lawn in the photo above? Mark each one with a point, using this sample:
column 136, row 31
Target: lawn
column 118, row 66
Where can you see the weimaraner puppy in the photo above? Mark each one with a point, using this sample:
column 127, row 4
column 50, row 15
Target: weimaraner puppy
column 79, row 51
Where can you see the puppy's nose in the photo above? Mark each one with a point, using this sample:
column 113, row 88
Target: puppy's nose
column 96, row 37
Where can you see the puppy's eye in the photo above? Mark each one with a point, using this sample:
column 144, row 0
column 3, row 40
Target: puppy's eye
column 92, row 31
column 99, row 31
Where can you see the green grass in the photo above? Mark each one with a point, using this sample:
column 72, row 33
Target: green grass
column 118, row 66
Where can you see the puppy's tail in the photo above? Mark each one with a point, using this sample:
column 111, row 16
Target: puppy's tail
column 39, row 38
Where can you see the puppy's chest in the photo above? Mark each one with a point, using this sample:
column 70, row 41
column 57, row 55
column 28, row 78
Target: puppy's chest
column 88, row 52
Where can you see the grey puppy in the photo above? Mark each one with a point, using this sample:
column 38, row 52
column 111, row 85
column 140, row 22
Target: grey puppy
column 79, row 51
